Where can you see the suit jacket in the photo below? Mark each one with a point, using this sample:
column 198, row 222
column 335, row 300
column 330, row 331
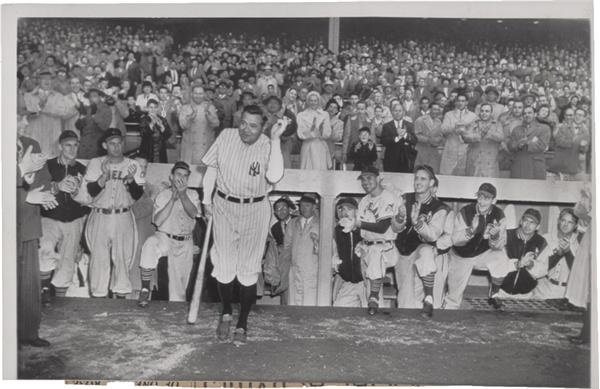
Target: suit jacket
column 399, row 155
column 29, row 222
column 277, row 231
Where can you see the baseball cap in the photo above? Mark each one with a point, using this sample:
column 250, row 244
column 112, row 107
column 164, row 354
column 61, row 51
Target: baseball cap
column 308, row 198
column 488, row 188
column 286, row 200
column 181, row 165
column 347, row 201
column 66, row 135
column 112, row 133
column 369, row 171
column 534, row 214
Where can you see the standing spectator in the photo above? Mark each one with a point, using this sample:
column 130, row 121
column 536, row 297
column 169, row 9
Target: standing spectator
column 227, row 102
column 571, row 142
column 273, row 112
column 355, row 122
column 313, row 129
column 428, row 130
column 337, row 131
column 399, row 140
column 97, row 119
column 377, row 123
column 290, row 101
column 363, row 153
column 198, row 121
column 454, row 125
column 247, row 98
column 155, row 132
column 147, row 94
column 300, row 249
column 528, row 142
column 484, row 137
column 492, row 94
column 133, row 69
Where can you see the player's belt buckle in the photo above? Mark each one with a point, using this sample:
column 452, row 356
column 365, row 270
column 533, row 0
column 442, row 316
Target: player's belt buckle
column 372, row 242
column 233, row 199
column 108, row 211
column 179, row 237
column 555, row 282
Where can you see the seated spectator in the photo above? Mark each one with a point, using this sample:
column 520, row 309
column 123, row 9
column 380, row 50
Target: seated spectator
column 313, row 130
column 301, row 251
column 363, row 153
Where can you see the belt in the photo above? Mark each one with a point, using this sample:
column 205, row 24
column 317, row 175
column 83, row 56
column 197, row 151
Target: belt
column 555, row 282
column 107, row 211
column 233, row 199
column 372, row 242
column 178, row 237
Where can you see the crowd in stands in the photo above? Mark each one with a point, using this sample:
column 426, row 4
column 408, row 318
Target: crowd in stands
column 486, row 109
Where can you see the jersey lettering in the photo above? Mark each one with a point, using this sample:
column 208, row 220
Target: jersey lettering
column 116, row 175
column 254, row 169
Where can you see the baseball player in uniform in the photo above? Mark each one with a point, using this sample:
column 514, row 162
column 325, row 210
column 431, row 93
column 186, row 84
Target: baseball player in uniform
column 175, row 212
column 114, row 182
column 377, row 249
column 63, row 225
column 419, row 227
column 242, row 165
column 479, row 236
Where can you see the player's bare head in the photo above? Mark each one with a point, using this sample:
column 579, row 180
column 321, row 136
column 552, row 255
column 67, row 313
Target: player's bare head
column 180, row 170
column 424, row 179
column 370, row 180
column 308, row 204
column 251, row 124
column 68, row 143
column 567, row 221
column 486, row 196
column 198, row 94
column 282, row 208
column 113, row 143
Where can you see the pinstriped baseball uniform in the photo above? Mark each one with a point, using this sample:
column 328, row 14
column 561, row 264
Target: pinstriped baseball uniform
column 111, row 235
column 179, row 252
column 239, row 230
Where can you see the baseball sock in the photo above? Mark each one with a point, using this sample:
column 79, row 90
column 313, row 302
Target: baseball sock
column 428, row 284
column 226, row 296
column 45, row 278
column 247, row 297
column 147, row 275
column 60, row 292
column 496, row 283
column 375, row 287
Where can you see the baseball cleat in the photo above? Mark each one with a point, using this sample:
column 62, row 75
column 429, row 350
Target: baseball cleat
column 144, row 298
column 239, row 337
column 372, row 306
column 496, row 303
column 224, row 327
column 46, row 297
column 427, row 311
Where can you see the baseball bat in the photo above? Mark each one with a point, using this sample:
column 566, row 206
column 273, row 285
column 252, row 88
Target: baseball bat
column 195, row 303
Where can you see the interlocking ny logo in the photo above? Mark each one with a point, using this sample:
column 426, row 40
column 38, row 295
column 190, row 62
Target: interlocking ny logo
column 254, row 169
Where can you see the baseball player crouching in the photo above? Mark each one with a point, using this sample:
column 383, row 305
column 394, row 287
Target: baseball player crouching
column 377, row 250
column 419, row 227
column 114, row 182
column 479, row 237
column 243, row 164
column 63, row 225
column 175, row 212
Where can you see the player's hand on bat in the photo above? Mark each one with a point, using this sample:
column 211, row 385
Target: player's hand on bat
column 279, row 127
column 208, row 210
column 43, row 198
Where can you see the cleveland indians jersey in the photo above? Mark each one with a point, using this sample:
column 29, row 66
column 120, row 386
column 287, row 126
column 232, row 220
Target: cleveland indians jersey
column 114, row 194
column 373, row 209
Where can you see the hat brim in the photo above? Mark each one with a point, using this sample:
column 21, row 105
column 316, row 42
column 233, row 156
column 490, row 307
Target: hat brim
column 362, row 175
column 485, row 192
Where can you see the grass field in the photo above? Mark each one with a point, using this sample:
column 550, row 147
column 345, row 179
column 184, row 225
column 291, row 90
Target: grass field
column 116, row 340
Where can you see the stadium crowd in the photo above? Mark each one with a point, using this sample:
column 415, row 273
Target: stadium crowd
column 421, row 107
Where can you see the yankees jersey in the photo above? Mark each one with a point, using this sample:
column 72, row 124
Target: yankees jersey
column 373, row 209
column 115, row 194
column 241, row 168
column 178, row 222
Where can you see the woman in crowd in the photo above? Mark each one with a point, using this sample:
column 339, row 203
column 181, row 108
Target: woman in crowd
column 290, row 101
column 337, row 130
column 314, row 128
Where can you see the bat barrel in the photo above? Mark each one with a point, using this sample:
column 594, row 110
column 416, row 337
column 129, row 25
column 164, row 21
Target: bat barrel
column 198, row 286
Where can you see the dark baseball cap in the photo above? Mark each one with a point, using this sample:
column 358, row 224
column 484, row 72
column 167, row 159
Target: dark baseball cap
column 534, row 214
column 347, row 201
column 112, row 133
column 488, row 188
column 308, row 198
column 369, row 171
column 67, row 135
column 181, row 165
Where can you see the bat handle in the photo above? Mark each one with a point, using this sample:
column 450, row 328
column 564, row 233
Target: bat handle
column 198, row 286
